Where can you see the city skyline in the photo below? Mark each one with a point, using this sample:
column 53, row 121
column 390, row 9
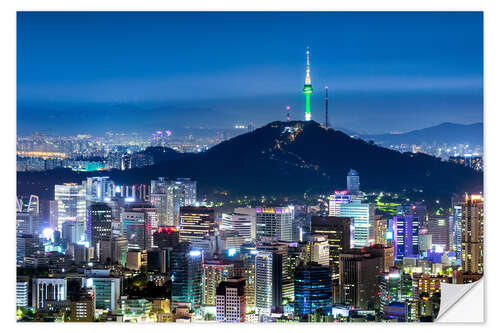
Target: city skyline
column 105, row 66
column 275, row 203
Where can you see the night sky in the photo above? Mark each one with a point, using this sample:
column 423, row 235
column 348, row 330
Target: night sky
column 94, row 72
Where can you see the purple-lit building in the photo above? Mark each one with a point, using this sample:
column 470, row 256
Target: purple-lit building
column 406, row 231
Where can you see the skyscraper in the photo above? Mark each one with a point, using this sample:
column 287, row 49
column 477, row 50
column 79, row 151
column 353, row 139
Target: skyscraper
column 456, row 231
column 472, row 233
column 166, row 237
column 359, row 278
column 313, row 289
column 308, row 87
column 439, row 228
column 248, row 251
column 353, row 182
column 275, row 222
column 196, row 223
column 265, row 283
column 337, row 199
column 187, row 274
column 241, row 223
column 251, row 212
column 27, row 224
column 380, row 230
column 99, row 189
column 319, row 250
column 415, row 209
column 363, row 221
column 337, row 231
column 168, row 196
column 99, row 222
column 214, row 272
column 71, row 206
column 139, row 222
column 282, row 277
column 406, row 236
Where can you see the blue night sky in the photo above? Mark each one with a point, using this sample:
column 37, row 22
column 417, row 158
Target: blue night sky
column 93, row 72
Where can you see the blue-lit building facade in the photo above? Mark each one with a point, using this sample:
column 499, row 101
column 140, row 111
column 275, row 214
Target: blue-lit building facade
column 406, row 236
column 313, row 289
column 187, row 275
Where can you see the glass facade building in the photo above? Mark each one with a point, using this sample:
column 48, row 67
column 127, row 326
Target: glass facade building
column 187, row 276
column 313, row 289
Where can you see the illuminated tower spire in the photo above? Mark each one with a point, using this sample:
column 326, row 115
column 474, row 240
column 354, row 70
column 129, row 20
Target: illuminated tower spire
column 308, row 69
column 287, row 113
column 308, row 87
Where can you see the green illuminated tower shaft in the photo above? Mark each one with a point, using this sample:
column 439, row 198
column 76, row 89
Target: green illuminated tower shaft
column 308, row 88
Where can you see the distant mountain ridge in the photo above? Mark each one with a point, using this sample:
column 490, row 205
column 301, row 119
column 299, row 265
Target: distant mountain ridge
column 443, row 133
column 287, row 158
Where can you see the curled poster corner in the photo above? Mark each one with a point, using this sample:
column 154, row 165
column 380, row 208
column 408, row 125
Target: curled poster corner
column 462, row 303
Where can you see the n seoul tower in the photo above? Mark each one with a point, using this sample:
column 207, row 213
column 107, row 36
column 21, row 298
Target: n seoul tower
column 308, row 88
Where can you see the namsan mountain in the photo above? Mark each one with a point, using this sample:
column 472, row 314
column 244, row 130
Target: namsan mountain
column 286, row 158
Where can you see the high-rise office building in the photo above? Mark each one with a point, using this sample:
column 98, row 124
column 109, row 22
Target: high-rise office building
column 319, row 250
column 53, row 215
column 251, row 212
column 275, row 222
column 28, row 217
column 337, row 199
column 139, row 222
column 353, row 182
column 267, row 282
column 337, row 231
column 70, row 232
column 158, row 261
column 99, row 222
column 241, row 223
column 99, row 189
column 359, row 278
column 168, row 196
column 71, row 206
column 214, row 272
column 282, row 278
column 166, row 237
column 406, row 236
column 231, row 301
column 27, row 224
column 456, row 231
column 249, row 273
column 380, row 230
column 416, row 209
column 439, row 228
column 187, row 276
column 313, row 289
column 472, row 233
column 196, row 223
column 34, row 205
column 363, row 221
column 384, row 253
column 26, row 245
